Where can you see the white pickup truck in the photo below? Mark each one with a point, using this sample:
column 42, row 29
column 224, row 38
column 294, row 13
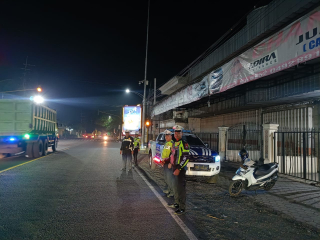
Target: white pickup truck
column 202, row 162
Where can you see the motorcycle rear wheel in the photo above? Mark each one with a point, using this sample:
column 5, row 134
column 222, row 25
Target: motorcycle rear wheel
column 235, row 188
column 270, row 185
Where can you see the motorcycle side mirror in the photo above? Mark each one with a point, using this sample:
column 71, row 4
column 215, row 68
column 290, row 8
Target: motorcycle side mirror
column 207, row 145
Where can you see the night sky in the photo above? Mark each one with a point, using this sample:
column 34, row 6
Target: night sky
column 87, row 54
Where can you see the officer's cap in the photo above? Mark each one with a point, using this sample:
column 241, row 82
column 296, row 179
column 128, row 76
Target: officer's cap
column 137, row 132
column 127, row 131
column 167, row 132
column 177, row 128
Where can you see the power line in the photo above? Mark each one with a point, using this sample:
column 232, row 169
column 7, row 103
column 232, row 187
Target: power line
column 26, row 69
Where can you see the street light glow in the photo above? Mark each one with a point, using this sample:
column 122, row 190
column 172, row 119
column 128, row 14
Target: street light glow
column 127, row 90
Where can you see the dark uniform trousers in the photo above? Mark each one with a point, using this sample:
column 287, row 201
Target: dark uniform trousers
column 135, row 156
column 127, row 159
column 168, row 175
column 179, row 188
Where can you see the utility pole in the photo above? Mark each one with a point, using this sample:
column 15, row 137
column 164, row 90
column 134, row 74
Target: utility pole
column 145, row 81
column 154, row 91
column 25, row 68
column 154, row 103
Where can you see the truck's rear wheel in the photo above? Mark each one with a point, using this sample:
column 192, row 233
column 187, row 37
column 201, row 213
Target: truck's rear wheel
column 29, row 151
column 37, row 149
column 45, row 147
column 55, row 145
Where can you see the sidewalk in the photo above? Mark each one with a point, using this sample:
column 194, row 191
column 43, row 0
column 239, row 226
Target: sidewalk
column 300, row 201
column 297, row 200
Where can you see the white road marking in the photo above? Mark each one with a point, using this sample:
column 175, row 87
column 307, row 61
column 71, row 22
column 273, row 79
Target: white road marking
column 184, row 228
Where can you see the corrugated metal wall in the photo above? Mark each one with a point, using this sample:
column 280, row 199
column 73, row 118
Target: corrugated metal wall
column 237, row 120
column 299, row 118
column 292, row 119
column 258, row 22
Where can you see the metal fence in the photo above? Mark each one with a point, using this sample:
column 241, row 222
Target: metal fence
column 211, row 138
column 298, row 154
column 238, row 138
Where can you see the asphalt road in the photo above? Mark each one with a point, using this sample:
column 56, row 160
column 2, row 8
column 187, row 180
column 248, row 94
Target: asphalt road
column 80, row 193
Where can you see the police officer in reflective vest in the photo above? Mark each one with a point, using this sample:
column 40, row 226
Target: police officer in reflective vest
column 179, row 160
column 136, row 144
column 127, row 150
column 165, row 161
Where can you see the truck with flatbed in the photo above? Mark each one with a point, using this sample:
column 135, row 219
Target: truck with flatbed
column 202, row 160
column 27, row 127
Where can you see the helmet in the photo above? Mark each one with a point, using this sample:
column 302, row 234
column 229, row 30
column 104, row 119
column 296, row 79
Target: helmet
column 137, row 133
column 167, row 132
column 127, row 131
column 177, row 128
column 243, row 154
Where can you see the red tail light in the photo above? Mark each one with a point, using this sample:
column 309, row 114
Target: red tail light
column 156, row 159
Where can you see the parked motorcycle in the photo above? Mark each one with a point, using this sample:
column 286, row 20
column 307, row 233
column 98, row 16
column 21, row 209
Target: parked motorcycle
column 251, row 176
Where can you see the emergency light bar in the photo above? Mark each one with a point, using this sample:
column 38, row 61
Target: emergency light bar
column 184, row 131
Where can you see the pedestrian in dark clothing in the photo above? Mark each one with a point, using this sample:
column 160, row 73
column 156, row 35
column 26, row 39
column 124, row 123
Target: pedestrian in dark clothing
column 127, row 150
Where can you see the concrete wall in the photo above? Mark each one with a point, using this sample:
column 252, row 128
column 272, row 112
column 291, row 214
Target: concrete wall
column 233, row 155
column 194, row 124
column 168, row 124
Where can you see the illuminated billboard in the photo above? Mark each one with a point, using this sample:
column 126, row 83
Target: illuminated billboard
column 131, row 118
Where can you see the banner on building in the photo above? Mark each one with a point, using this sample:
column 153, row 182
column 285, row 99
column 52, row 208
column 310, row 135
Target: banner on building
column 131, row 118
column 297, row 43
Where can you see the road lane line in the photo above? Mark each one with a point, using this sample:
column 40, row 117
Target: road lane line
column 23, row 164
column 186, row 230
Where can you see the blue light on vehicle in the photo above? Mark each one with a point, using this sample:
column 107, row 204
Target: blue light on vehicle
column 217, row 158
column 12, row 139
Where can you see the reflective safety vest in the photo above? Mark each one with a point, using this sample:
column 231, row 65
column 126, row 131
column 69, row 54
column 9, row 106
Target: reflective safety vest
column 180, row 155
column 136, row 143
column 167, row 149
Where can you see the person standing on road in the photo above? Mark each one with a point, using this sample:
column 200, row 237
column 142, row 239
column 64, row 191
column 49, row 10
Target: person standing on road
column 165, row 161
column 136, row 149
column 179, row 160
column 127, row 150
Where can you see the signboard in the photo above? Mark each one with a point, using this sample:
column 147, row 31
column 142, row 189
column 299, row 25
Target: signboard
column 297, row 43
column 131, row 119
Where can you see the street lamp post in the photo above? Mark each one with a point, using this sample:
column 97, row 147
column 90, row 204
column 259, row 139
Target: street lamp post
column 39, row 89
column 144, row 81
column 145, row 78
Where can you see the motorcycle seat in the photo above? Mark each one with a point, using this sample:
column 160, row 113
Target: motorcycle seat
column 264, row 169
